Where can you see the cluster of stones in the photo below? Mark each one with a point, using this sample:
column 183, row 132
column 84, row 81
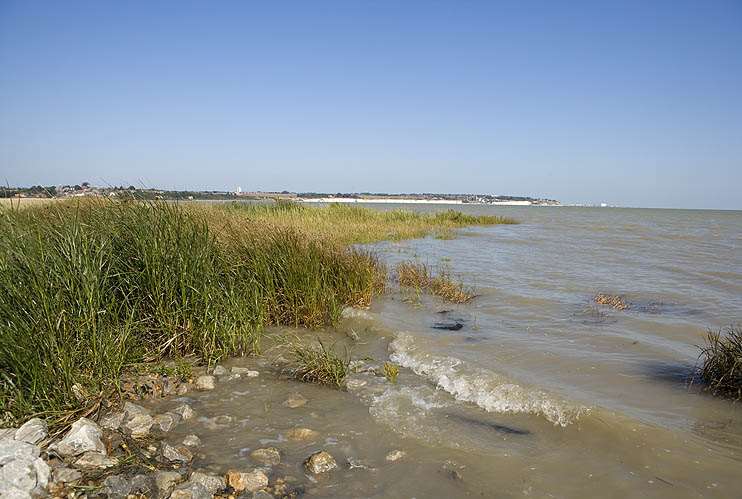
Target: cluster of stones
column 34, row 465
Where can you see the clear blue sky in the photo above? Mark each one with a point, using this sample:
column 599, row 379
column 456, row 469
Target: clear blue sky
column 634, row 103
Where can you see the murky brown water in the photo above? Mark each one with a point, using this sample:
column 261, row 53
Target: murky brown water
column 539, row 393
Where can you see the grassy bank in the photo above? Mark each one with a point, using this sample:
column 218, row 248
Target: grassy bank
column 89, row 288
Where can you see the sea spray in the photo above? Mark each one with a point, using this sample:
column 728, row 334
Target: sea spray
column 488, row 390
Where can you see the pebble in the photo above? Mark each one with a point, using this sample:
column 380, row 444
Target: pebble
column 295, row 400
column 166, row 422
column 84, row 436
column 179, row 454
column 184, row 411
column 32, row 431
column 395, row 455
column 92, row 460
column 251, row 481
column 113, row 420
column 220, row 371
column 166, row 481
column 192, row 441
column 205, row 382
column 139, row 426
column 302, row 434
column 320, row 462
column 212, row 483
column 269, row 456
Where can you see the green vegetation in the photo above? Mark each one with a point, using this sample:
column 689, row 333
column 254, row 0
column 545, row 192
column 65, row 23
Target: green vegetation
column 391, row 371
column 90, row 289
column 418, row 277
column 615, row 301
column 320, row 365
column 722, row 362
column 348, row 224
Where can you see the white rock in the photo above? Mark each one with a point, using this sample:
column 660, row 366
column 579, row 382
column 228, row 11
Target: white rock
column 212, row 483
column 355, row 313
column 166, row 422
column 32, row 431
column 95, row 461
column 192, row 441
column 139, row 425
column 184, row 411
column 240, row 370
column 179, row 454
column 131, row 410
column 220, row 371
column 43, row 473
column 11, row 450
column 19, row 474
column 113, row 420
column 205, row 382
column 269, row 456
column 7, row 433
column 84, row 436
column 294, row 401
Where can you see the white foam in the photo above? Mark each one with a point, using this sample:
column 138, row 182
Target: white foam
column 489, row 390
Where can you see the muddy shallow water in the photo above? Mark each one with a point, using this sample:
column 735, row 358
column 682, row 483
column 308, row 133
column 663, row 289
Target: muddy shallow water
column 540, row 392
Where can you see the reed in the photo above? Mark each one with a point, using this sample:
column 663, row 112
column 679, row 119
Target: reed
column 419, row 277
column 320, row 365
column 721, row 367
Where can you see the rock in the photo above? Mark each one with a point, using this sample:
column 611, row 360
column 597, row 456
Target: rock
column 261, row 494
column 191, row 490
column 192, row 441
column 217, row 422
column 212, row 483
column 449, row 468
column 43, row 473
column 84, row 436
column 10, row 450
column 166, row 482
column 354, row 384
column 320, row 462
column 240, row 370
column 270, row 456
column 131, row 410
column 395, row 455
column 139, row 426
column 220, row 371
column 116, row 487
column 112, row 420
column 179, row 454
column 7, row 433
column 183, row 388
column 251, row 481
column 32, row 431
column 95, row 461
column 143, row 486
column 166, row 422
column 302, row 434
column 205, row 382
column 295, row 400
column 18, row 474
column 184, row 411
column 65, row 475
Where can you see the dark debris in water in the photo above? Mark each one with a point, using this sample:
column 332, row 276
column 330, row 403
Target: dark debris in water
column 488, row 425
column 448, row 326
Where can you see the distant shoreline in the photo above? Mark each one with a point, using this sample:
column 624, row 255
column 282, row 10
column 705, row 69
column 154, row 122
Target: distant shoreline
column 409, row 201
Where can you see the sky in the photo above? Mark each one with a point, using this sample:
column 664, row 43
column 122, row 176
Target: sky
column 634, row 103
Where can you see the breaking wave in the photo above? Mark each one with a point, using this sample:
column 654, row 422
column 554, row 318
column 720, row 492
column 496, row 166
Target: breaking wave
column 488, row 390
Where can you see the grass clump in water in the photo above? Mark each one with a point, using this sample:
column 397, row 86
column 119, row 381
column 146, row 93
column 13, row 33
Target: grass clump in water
column 417, row 276
column 722, row 362
column 391, row 371
column 615, row 301
column 320, row 365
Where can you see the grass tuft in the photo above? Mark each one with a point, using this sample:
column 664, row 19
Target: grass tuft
column 722, row 362
column 615, row 301
column 320, row 365
column 417, row 276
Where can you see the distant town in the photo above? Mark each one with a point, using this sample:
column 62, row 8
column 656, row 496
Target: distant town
column 132, row 192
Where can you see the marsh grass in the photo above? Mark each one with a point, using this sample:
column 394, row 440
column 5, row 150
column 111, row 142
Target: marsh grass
column 90, row 288
column 349, row 224
column 321, row 364
column 419, row 277
column 721, row 367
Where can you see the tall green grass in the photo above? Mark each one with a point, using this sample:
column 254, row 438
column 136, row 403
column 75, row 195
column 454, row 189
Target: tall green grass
column 88, row 289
